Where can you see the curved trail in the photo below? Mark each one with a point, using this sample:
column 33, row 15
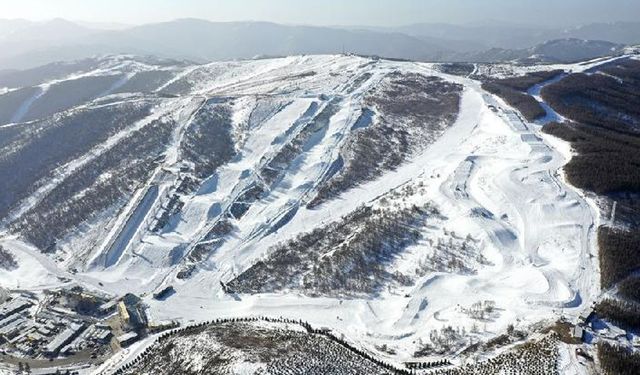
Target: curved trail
column 547, row 207
column 508, row 188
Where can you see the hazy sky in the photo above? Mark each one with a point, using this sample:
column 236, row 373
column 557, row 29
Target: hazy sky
column 329, row 12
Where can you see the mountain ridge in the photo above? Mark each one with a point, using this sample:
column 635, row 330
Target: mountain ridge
column 32, row 44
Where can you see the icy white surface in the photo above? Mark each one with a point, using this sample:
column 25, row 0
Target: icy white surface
column 492, row 176
column 35, row 271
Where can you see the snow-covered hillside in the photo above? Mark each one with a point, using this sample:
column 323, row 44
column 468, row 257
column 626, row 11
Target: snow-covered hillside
column 404, row 208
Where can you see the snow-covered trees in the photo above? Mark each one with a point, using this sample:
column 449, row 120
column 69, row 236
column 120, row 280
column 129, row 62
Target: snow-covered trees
column 531, row 358
column 7, row 260
column 615, row 360
column 264, row 345
column 625, row 314
column 344, row 257
column 514, row 91
column 411, row 111
column 104, row 182
column 207, row 141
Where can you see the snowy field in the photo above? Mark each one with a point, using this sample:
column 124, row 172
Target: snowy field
column 493, row 177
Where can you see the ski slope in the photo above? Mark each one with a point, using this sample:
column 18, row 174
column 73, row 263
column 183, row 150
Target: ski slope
column 537, row 233
column 493, row 177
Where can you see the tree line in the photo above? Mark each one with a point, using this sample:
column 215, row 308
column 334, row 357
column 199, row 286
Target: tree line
column 513, row 90
column 200, row 327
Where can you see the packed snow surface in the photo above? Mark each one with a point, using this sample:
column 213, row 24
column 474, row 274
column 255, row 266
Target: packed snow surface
column 493, row 177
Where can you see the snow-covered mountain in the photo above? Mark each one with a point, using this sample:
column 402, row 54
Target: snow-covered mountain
column 27, row 44
column 395, row 204
column 205, row 41
column 398, row 205
column 503, row 35
column 551, row 51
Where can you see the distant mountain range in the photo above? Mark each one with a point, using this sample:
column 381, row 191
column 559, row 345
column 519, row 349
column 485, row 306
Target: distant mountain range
column 552, row 51
column 520, row 37
column 26, row 44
